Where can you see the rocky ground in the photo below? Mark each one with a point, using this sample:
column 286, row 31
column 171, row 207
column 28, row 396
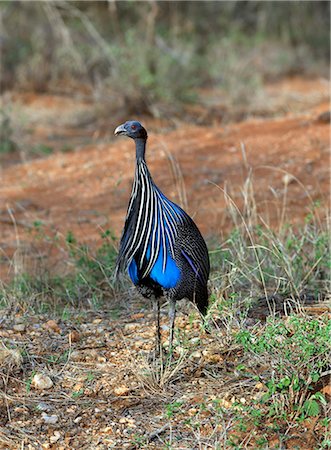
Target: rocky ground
column 85, row 381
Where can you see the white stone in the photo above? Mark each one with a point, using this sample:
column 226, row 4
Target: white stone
column 49, row 419
column 41, row 381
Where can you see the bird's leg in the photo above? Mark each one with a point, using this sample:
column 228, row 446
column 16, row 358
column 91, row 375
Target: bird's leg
column 156, row 308
column 172, row 316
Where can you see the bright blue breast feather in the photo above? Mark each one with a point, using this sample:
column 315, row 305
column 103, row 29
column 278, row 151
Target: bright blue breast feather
column 167, row 277
column 164, row 270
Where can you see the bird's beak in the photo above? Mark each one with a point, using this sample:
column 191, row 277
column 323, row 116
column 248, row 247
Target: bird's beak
column 120, row 130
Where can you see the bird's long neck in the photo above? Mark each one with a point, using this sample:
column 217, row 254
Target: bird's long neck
column 142, row 175
column 140, row 149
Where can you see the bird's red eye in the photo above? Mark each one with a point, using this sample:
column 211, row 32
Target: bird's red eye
column 133, row 127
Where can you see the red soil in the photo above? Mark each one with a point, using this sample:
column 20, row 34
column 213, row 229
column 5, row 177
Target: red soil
column 87, row 191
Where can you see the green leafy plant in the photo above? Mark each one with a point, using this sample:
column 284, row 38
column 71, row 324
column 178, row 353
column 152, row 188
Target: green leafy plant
column 297, row 353
column 78, row 393
column 28, row 382
column 173, row 408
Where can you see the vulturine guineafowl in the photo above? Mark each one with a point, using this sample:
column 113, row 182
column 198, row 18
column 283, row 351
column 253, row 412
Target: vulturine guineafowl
column 161, row 247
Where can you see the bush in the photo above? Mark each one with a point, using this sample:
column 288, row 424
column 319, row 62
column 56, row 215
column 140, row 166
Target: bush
column 295, row 355
column 149, row 56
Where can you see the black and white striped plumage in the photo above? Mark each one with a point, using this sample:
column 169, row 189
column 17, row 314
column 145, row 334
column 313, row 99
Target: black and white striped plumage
column 161, row 247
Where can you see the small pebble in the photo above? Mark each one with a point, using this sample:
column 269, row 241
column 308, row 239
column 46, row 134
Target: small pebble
column 121, row 390
column 180, row 350
column 49, row 419
column 192, row 412
column 78, row 387
column 76, row 355
column 56, row 436
column 19, row 327
column 97, row 321
column 43, row 406
column 41, row 381
column 52, row 325
column 131, row 326
column 137, row 316
column 74, row 336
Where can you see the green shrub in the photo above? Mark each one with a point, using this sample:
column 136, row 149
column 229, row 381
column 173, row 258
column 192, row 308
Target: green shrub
column 295, row 354
column 151, row 58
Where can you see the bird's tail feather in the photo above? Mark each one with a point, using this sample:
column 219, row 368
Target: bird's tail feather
column 202, row 302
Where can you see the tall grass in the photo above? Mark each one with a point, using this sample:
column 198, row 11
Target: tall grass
column 85, row 280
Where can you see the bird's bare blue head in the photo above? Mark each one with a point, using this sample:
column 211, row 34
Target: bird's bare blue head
column 132, row 129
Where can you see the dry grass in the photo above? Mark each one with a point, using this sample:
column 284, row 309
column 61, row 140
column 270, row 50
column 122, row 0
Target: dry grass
column 10, row 359
column 287, row 261
column 155, row 376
